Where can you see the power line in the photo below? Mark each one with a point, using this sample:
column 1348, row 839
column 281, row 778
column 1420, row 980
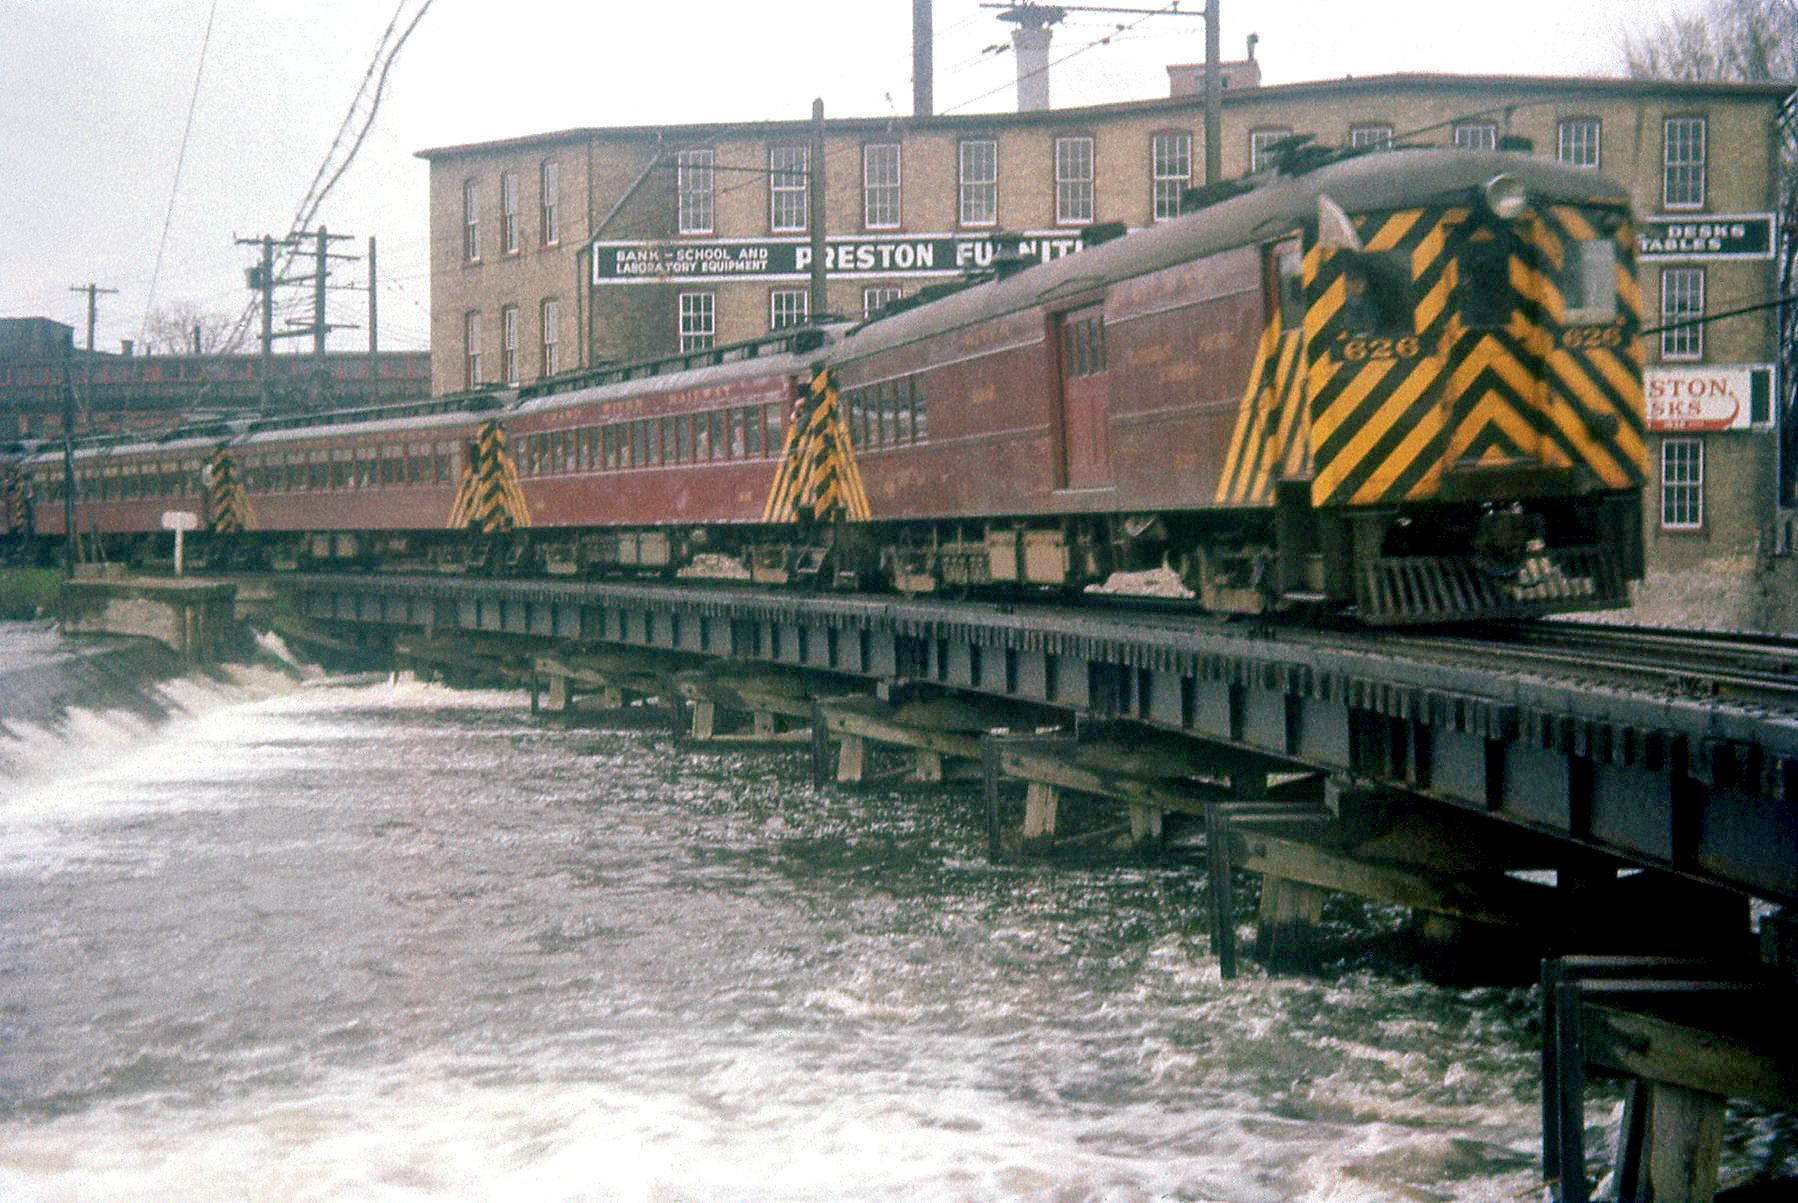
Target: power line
column 168, row 219
column 350, row 135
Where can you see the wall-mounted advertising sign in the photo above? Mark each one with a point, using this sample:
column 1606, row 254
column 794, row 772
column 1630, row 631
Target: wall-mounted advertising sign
column 1722, row 397
column 1743, row 236
column 779, row 259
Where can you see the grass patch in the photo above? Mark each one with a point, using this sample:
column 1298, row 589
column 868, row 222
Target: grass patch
column 28, row 592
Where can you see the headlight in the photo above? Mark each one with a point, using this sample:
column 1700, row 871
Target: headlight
column 1505, row 196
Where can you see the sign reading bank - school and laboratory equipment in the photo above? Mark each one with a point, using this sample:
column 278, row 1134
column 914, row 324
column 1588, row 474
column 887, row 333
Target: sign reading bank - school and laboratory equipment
column 667, row 261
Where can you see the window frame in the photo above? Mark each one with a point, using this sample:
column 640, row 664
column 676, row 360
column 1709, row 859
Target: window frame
column 876, row 297
column 695, row 189
column 471, row 349
column 1166, row 185
column 702, row 308
column 508, row 213
column 549, row 341
column 1260, row 139
column 1686, row 491
column 965, row 186
column 1563, row 142
column 798, row 303
column 1487, row 131
column 508, row 344
column 1683, row 344
column 471, row 220
column 878, row 195
column 783, row 194
column 1071, row 187
column 1374, row 134
column 549, row 201
column 1699, row 165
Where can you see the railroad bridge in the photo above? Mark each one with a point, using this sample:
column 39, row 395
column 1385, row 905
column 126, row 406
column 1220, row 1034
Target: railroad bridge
column 1624, row 821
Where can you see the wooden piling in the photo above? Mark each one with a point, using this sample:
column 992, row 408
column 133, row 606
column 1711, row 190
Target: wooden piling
column 1042, row 804
column 1286, row 927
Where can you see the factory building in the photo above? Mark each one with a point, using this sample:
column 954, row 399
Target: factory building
column 566, row 249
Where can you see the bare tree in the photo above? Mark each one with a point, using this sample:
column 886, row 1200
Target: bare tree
column 1749, row 40
column 173, row 328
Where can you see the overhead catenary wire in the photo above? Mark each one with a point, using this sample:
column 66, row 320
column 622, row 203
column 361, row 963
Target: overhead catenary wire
column 187, row 130
column 351, row 133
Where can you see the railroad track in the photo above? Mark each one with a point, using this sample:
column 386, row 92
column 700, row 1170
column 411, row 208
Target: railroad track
column 1740, row 668
column 1744, row 668
column 1751, row 668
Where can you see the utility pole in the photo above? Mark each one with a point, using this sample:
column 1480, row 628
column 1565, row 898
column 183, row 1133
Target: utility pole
column 1214, row 97
column 319, row 328
column 68, row 461
column 93, row 291
column 922, row 103
column 262, row 279
column 374, row 342
column 815, row 198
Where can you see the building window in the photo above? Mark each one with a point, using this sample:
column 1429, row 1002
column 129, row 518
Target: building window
column 1682, row 484
column 471, row 350
column 693, row 190
column 698, row 320
column 1682, row 299
column 1683, row 163
column 880, row 185
column 1170, row 169
column 471, row 221
column 788, row 172
column 1576, row 142
column 1376, row 136
column 508, row 343
column 552, row 337
column 550, row 209
column 788, row 307
column 508, row 213
column 877, row 298
column 979, row 182
column 1476, row 135
column 1261, row 143
column 1073, row 181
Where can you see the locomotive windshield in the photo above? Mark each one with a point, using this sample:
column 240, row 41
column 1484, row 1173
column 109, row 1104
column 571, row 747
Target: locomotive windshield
column 1588, row 282
column 1487, row 298
column 1376, row 294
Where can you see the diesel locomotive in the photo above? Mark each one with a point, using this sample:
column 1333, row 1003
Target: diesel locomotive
column 1404, row 385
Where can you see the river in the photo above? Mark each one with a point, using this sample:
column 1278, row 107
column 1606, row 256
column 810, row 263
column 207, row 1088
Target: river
column 384, row 940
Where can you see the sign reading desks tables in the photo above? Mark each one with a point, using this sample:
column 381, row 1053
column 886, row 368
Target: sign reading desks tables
column 1738, row 236
column 660, row 261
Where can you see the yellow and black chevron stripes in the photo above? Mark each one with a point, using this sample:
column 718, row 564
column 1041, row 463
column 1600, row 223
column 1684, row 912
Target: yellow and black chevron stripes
column 489, row 500
column 15, row 518
column 1393, row 410
column 818, row 475
column 1272, row 427
column 227, row 504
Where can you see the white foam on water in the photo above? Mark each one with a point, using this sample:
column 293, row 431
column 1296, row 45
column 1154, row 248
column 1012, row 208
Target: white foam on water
column 66, row 786
column 423, row 1132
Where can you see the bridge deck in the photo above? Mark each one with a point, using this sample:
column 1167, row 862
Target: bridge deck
column 1700, row 786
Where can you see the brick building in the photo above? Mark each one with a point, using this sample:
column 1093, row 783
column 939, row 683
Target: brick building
column 563, row 249
column 148, row 392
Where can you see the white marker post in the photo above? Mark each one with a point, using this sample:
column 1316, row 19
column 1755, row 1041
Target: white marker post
column 179, row 521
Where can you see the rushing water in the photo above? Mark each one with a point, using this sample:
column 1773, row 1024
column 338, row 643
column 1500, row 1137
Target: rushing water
column 389, row 941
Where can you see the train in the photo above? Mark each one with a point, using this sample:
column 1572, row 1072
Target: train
column 1403, row 387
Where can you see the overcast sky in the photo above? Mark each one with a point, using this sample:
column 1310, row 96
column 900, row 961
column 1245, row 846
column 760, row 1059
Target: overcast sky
column 95, row 97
